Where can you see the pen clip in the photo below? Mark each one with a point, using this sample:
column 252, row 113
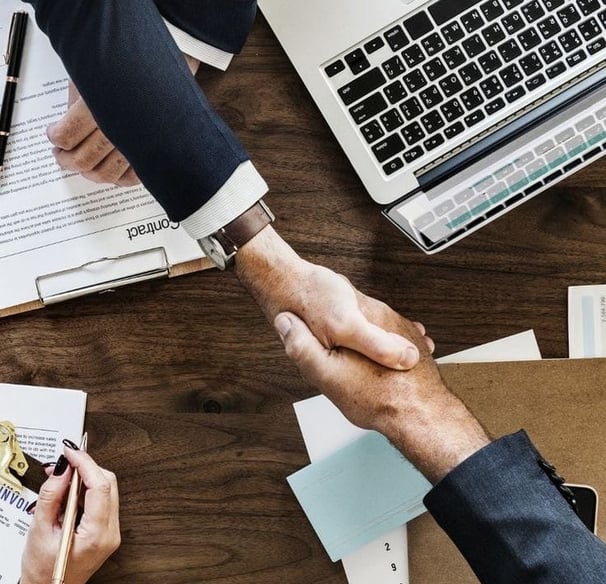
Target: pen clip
column 11, row 32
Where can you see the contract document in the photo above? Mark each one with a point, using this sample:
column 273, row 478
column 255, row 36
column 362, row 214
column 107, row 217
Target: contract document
column 61, row 235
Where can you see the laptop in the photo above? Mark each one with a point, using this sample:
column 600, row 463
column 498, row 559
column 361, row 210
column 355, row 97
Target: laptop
column 453, row 112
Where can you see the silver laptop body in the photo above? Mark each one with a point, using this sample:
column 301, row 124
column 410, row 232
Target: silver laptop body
column 453, row 112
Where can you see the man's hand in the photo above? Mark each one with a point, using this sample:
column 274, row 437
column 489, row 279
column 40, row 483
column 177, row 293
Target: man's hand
column 80, row 146
column 97, row 535
column 333, row 309
column 414, row 409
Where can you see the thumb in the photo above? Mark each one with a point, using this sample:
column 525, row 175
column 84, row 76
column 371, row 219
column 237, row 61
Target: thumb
column 301, row 345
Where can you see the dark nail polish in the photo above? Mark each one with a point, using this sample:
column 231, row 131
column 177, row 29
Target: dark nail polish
column 61, row 466
column 30, row 508
column 70, row 444
column 48, row 464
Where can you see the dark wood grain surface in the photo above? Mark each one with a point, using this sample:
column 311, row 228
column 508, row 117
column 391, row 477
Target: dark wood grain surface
column 190, row 393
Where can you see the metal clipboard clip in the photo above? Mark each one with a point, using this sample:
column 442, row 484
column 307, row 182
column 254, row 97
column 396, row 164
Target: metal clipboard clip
column 103, row 275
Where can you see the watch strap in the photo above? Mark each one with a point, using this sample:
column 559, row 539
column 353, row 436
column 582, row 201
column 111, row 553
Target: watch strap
column 242, row 229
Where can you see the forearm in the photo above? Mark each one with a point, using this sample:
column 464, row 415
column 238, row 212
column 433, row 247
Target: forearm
column 143, row 97
column 510, row 521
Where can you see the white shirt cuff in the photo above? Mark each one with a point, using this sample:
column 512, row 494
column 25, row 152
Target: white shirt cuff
column 198, row 49
column 241, row 191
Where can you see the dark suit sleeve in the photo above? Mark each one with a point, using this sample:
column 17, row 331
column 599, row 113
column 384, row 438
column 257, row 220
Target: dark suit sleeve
column 142, row 95
column 510, row 521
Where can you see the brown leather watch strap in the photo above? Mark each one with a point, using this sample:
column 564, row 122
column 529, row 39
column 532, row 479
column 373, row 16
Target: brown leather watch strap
column 242, row 229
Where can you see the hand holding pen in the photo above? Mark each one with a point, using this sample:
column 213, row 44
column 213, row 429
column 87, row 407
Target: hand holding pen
column 13, row 58
column 96, row 536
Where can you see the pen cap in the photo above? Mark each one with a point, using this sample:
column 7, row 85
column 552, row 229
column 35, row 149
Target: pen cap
column 15, row 46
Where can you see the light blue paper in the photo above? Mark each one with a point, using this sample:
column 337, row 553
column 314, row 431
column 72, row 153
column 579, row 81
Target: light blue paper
column 362, row 491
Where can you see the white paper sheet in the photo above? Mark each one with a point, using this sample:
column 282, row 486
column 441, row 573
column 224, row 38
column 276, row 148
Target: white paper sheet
column 53, row 220
column 587, row 321
column 325, row 430
column 43, row 418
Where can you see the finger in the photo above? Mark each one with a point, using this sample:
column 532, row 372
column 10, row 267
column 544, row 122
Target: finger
column 110, row 169
column 88, row 154
column 72, row 93
column 50, row 498
column 98, row 498
column 420, row 326
column 129, row 178
column 73, row 127
column 383, row 347
column 430, row 344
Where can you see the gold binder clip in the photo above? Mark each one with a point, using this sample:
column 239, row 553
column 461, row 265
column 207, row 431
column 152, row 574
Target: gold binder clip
column 11, row 457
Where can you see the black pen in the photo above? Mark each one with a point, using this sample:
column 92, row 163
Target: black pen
column 12, row 57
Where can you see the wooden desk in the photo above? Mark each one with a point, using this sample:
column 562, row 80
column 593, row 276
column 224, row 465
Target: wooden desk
column 190, row 393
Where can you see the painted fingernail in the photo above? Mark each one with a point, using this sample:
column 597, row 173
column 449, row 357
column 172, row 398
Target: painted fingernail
column 60, row 467
column 410, row 359
column 48, row 464
column 31, row 507
column 283, row 325
column 70, row 444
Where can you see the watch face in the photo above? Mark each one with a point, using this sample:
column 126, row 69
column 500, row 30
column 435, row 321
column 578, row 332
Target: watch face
column 214, row 252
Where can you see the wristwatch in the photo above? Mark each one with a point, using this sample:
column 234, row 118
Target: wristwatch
column 222, row 245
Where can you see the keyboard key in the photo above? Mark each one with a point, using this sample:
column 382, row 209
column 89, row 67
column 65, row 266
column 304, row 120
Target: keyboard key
column 494, row 106
column 511, row 75
column 334, row 68
column 372, row 131
column 472, row 21
column 509, row 50
column 424, row 220
column 452, row 110
column 413, row 133
column 454, row 130
column 432, row 44
column 584, row 124
column 524, row 159
column 393, row 67
column 570, row 40
column 361, row 86
column 452, row 32
column 515, row 94
column 450, row 85
column 368, row 108
column 374, row 45
column 491, row 9
column 590, row 29
column 535, row 82
column 432, row 122
column 509, row 4
column 393, row 166
column 549, row 27
column 550, row 52
column 443, row 208
column 532, row 11
column 434, row 69
column 463, row 196
column 396, row 38
column 413, row 55
column 564, row 135
column 445, row 10
column 473, row 46
column 395, row 92
column 470, row 73
column 418, row 25
column 437, row 231
column 433, row 142
column 414, row 80
column 357, row 61
column 391, row 120
column 491, row 87
column 544, row 147
column 454, row 57
column 568, row 15
column 490, row 62
column 513, row 23
column 474, row 118
column 576, row 58
column 411, row 108
column 430, row 97
column 413, row 154
column 553, row 4
column 471, row 99
column 530, row 64
column 596, row 46
column 493, row 34
column 388, row 148
column 587, row 7
column 529, row 39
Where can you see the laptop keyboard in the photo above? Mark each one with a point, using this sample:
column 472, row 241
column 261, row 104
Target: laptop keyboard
column 432, row 77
